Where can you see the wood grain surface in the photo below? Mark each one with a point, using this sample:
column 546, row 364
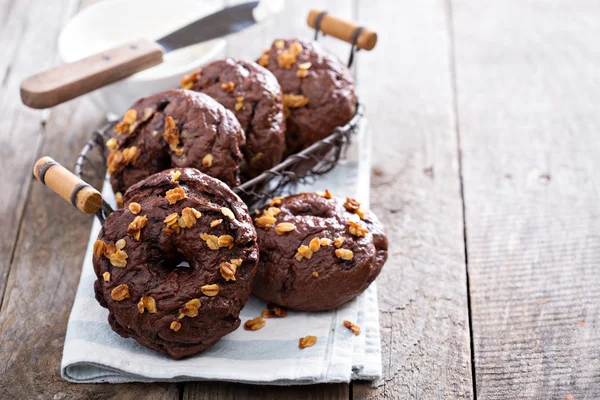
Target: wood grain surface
column 487, row 107
column 407, row 87
column 528, row 96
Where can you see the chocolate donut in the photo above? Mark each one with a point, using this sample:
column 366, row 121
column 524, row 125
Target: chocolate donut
column 318, row 91
column 176, row 264
column 175, row 128
column 253, row 94
column 316, row 252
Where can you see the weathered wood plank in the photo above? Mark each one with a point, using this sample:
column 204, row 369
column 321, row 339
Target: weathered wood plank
column 21, row 40
column 406, row 86
column 49, row 237
column 527, row 83
column 290, row 23
column 44, row 277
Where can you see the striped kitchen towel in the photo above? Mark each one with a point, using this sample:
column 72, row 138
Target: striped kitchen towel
column 94, row 353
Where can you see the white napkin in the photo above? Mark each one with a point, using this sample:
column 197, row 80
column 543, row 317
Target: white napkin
column 94, row 353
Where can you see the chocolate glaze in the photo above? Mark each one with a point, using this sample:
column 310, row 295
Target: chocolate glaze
column 283, row 280
column 328, row 86
column 205, row 127
column 152, row 261
column 261, row 116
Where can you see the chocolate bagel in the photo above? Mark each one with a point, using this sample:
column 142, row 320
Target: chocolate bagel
column 318, row 91
column 253, row 94
column 176, row 264
column 175, row 128
column 316, row 252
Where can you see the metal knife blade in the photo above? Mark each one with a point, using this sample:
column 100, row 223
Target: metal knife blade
column 224, row 22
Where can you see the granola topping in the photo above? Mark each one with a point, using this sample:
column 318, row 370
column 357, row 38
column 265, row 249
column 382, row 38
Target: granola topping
column 135, row 208
column 225, row 241
column 254, row 324
column 135, row 227
column 210, row 290
column 304, row 252
column 338, row 241
column 119, row 199
column 212, row 241
column 188, row 80
column 344, row 254
column 228, row 270
column 228, row 213
column 118, row 160
column 315, row 274
column 112, row 145
column 189, row 216
column 215, row 222
column 294, row 100
column 190, row 309
column 172, row 222
column 127, row 124
column 171, row 135
column 228, row 87
column 351, row 204
column 307, row 341
column 324, row 193
column 174, row 195
column 314, row 245
column 175, row 325
column 147, row 303
column 207, row 160
column 324, row 242
column 353, row 327
column 265, row 221
column 284, row 227
column 99, row 248
column 106, row 276
column 175, row 175
column 357, row 229
column 120, row 293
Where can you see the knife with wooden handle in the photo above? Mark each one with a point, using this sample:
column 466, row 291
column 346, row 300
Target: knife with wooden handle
column 67, row 81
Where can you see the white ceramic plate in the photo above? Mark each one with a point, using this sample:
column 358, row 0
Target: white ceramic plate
column 112, row 22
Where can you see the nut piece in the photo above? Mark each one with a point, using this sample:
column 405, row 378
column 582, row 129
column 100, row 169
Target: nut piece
column 171, row 133
column 215, row 223
column 189, row 216
column 275, row 201
column 265, row 221
column 344, row 254
column 239, row 103
column 207, row 160
column 353, row 327
column 307, row 341
column 116, row 256
column 286, row 59
column 228, row 213
column 357, row 229
column 304, row 252
column 99, row 248
column 210, row 290
column 119, row 199
column 326, row 193
column 225, row 241
column 120, row 244
column 236, row 261
column 190, row 309
column 174, row 195
column 296, row 48
column 135, row 227
column 106, row 276
column 212, row 241
column 188, row 80
column 228, row 87
column 147, row 303
column 324, row 242
column 228, row 270
column 338, row 241
column 175, row 175
column 315, row 274
column 362, row 213
column 135, row 208
column 303, row 69
column 172, row 222
column 278, row 311
column 314, row 245
column 274, row 211
column 279, row 44
column 294, row 100
column 284, row 227
column 175, row 325
column 118, row 160
column 112, row 145
column 351, row 204
column 127, row 124
column 254, row 324
column 120, row 293
column 263, row 61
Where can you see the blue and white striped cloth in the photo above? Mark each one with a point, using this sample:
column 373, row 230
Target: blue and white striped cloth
column 94, row 353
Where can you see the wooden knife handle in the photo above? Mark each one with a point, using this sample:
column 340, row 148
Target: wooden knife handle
column 67, row 185
column 68, row 81
column 342, row 29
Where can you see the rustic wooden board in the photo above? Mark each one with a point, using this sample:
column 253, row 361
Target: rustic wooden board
column 407, row 87
column 527, row 82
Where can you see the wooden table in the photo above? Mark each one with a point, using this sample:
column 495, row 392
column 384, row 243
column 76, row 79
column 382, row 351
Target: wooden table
column 486, row 125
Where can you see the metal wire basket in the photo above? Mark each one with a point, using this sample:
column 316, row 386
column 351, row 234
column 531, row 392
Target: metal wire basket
column 301, row 168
